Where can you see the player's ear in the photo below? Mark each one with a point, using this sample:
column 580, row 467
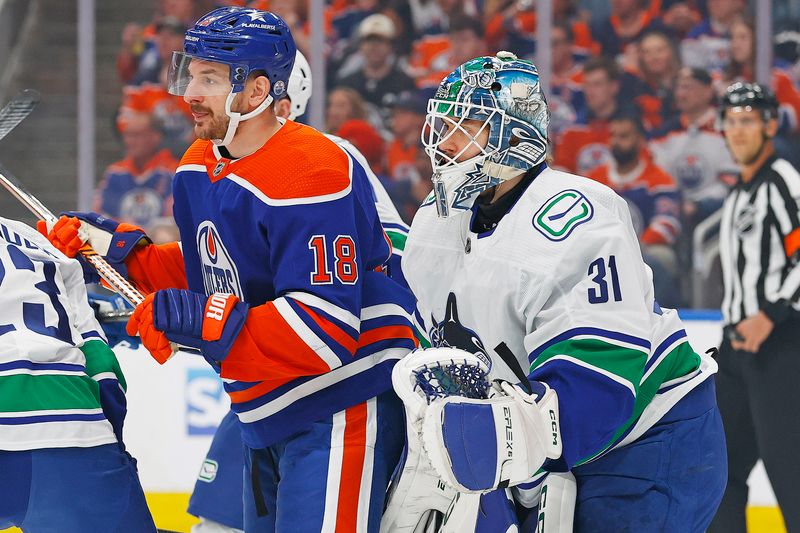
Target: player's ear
column 260, row 91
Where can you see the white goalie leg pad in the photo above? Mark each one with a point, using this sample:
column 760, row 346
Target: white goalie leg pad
column 482, row 445
column 418, row 499
column 415, row 493
column 557, row 503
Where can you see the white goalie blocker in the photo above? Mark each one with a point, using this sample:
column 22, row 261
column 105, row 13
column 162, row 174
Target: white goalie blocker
column 466, row 439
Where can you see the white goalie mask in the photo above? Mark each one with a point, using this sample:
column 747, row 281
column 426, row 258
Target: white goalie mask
column 486, row 124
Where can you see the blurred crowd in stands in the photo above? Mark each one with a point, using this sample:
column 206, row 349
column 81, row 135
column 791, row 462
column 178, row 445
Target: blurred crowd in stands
column 632, row 95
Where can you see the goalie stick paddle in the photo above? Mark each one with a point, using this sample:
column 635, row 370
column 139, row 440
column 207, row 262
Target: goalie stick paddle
column 114, row 279
column 17, row 109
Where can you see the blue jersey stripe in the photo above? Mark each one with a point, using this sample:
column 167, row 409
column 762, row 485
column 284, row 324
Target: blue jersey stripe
column 35, row 419
column 30, row 365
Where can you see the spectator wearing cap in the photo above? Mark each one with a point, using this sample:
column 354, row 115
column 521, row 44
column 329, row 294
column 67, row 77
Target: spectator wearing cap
column 155, row 60
column 380, row 80
column 653, row 198
column 690, row 149
column 407, row 121
column 707, row 45
column 138, row 188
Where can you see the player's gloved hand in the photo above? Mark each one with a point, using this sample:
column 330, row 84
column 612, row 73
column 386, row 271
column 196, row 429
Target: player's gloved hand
column 109, row 238
column 480, row 445
column 209, row 323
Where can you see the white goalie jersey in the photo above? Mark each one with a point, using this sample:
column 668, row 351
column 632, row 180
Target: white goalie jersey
column 558, row 289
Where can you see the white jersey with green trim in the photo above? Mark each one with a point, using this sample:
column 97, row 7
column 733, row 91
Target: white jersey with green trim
column 559, row 290
column 48, row 397
column 390, row 218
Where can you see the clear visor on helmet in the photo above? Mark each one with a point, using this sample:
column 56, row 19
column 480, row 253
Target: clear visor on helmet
column 455, row 133
column 192, row 76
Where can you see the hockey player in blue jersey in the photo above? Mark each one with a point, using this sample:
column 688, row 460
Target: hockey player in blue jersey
column 62, row 401
column 538, row 274
column 278, row 281
column 216, row 498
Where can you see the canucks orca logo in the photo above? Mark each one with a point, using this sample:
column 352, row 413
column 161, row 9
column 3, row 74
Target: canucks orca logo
column 452, row 333
column 219, row 271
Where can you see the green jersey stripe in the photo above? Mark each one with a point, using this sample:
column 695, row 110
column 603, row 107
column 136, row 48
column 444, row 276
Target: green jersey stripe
column 23, row 392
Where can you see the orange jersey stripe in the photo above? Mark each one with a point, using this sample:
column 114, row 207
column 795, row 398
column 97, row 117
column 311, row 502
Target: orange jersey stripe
column 271, row 352
column 355, row 440
column 330, row 329
column 386, row 332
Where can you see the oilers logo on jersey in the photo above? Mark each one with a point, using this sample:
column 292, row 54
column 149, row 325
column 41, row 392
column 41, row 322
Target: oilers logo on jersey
column 451, row 332
column 219, row 272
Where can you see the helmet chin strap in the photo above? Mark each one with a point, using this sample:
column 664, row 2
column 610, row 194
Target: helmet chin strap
column 235, row 118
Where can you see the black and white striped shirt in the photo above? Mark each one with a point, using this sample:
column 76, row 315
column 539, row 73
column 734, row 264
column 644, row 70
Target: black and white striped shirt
column 759, row 241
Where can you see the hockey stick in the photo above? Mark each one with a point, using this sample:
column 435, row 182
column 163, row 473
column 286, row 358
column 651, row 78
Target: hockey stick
column 114, row 279
column 17, row 109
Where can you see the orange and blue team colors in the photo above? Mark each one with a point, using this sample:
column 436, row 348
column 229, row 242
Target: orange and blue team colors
column 297, row 238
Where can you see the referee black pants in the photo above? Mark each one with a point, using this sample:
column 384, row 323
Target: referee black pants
column 759, row 399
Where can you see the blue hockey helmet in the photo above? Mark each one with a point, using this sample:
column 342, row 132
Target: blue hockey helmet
column 504, row 95
column 245, row 40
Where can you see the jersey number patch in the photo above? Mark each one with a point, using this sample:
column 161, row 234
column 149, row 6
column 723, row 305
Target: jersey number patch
column 598, row 271
column 344, row 267
column 33, row 313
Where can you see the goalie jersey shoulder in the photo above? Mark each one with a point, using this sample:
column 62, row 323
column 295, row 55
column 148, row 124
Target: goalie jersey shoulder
column 549, row 224
column 298, row 165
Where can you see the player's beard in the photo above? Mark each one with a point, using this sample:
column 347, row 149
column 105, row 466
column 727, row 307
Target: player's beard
column 215, row 126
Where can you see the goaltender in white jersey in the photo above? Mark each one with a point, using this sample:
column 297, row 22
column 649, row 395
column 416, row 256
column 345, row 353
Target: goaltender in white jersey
column 539, row 273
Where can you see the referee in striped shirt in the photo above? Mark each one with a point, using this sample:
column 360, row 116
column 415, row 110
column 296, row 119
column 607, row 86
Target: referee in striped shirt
column 758, row 385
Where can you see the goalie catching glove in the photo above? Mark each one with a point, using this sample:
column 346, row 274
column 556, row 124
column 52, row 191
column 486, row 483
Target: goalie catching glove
column 479, row 445
column 209, row 323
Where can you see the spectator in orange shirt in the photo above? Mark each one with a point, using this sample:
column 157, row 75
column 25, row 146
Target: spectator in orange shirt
column 464, row 41
column 514, row 28
column 581, row 148
column 138, row 189
column 652, row 197
column 655, row 80
column 408, row 118
column 618, row 34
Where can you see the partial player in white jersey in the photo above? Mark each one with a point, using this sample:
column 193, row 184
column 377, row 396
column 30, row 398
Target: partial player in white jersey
column 539, row 274
column 62, row 400
column 217, row 496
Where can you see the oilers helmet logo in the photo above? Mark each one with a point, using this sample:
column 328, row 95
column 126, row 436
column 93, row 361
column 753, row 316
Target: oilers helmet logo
column 219, row 271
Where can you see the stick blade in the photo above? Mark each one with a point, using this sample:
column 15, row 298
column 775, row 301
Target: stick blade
column 17, row 109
